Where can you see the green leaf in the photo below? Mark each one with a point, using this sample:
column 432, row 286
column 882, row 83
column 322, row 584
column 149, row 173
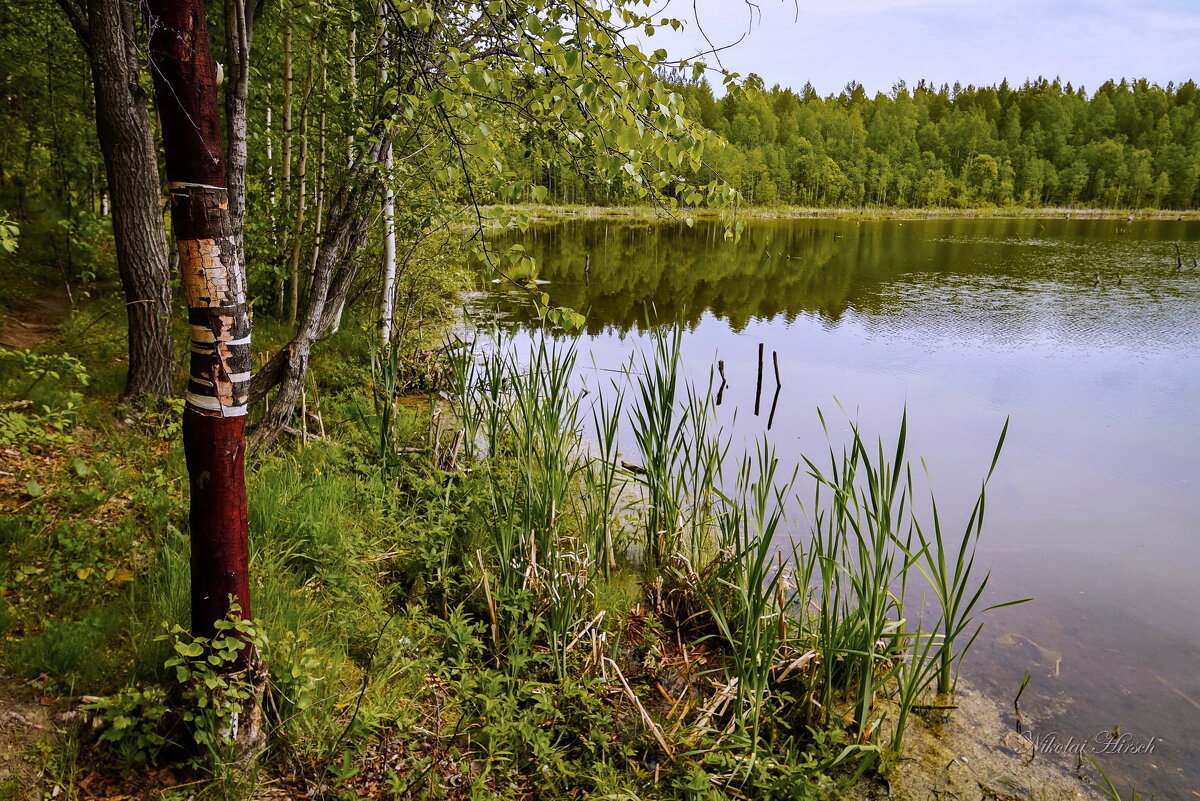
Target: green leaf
column 189, row 649
column 34, row 489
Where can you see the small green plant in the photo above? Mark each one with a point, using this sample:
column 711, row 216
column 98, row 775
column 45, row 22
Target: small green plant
column 9, row 234
column 214, row 695
column 47, row 428
column 46, row 425
column 1110, row 790
column 202, row 713
column 134, row 723
column 743, row 596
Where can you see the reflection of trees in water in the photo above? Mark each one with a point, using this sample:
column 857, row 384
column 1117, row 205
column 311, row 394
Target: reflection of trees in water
column 821, row 268
column 827, row 267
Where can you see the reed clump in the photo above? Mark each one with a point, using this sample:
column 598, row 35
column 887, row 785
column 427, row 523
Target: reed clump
column 797, row 608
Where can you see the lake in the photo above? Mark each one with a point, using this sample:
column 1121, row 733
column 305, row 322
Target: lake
column 1082, row 332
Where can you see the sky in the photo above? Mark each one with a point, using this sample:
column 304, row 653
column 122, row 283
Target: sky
column 981, row 42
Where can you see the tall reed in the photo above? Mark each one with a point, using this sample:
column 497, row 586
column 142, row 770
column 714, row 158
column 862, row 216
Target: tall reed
column 742, row 596
column 948, row 566
column 682, row 453
column 832, row 618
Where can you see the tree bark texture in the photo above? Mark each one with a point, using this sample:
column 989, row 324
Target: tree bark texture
column 387, row 299
column 239, row 25
column 214, row 284
column 301, row 203
column 107, row 32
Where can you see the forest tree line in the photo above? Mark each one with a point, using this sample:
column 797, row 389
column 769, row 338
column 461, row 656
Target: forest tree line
column 1129, row 144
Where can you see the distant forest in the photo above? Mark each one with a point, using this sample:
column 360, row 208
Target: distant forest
column 1126, row 145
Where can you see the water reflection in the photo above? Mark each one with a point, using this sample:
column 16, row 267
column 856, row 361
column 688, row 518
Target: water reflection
column 875, row 270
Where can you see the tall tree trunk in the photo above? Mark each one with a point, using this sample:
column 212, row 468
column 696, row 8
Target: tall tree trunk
column 239, row 25
column 214, row 283
column 339, row 304
column 319, row 209
column 387, row 300
column 286, row 155
column 106, row 29
column 346, row 226
column 352, row 67
column 301, row 201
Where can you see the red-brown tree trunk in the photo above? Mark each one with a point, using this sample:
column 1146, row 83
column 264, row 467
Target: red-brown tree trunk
column 214, row 284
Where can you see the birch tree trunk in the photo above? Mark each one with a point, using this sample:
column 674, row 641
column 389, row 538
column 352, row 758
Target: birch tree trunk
column 352, row 67
column 106, row 30
column 388, row 291
column 319, row 209
column 345, row 231
column 387, row 310
column 214, row 285
column 239, row 24
column 286, row 154
column 301, row 200
column 339, row 304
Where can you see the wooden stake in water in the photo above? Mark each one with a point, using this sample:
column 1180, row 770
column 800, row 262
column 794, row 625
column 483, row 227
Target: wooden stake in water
column 758, row 388
column 778, row 386
column 774, row 403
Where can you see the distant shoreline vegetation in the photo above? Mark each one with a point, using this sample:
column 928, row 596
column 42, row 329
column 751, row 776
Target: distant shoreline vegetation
column 1128, row 145
column 651, row 214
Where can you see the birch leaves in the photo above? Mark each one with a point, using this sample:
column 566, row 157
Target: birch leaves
column 549, row 77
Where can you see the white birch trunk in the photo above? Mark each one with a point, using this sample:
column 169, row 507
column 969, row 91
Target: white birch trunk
column 319, row 211
column 388, row 295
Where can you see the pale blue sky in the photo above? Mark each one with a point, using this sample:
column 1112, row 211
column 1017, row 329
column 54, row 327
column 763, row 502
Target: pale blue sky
column 877, row 42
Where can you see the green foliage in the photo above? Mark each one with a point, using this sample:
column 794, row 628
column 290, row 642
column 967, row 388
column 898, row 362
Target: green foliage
column 133, row 721
column 9, row 234
column 57, row 377
column 46, row 428
column 1129, row 144
column 201, row 714
column 213, row 694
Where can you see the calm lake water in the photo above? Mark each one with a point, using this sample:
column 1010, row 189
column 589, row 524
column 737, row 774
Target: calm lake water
column 1084, row 333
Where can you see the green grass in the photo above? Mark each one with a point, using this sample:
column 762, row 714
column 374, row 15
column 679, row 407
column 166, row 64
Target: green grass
column 594, row 597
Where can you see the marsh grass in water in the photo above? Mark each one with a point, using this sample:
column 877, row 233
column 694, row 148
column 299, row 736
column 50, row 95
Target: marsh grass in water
column 820, row 638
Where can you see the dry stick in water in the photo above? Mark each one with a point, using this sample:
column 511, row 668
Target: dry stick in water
column 778, row 386
column 758, row 388
column 724, row 383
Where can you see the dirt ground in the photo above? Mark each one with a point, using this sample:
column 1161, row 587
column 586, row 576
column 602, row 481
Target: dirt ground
column 26, row 728
column 36, row 323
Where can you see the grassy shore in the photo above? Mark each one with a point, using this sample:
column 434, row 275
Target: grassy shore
column 484, row 597
column 649, row 214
